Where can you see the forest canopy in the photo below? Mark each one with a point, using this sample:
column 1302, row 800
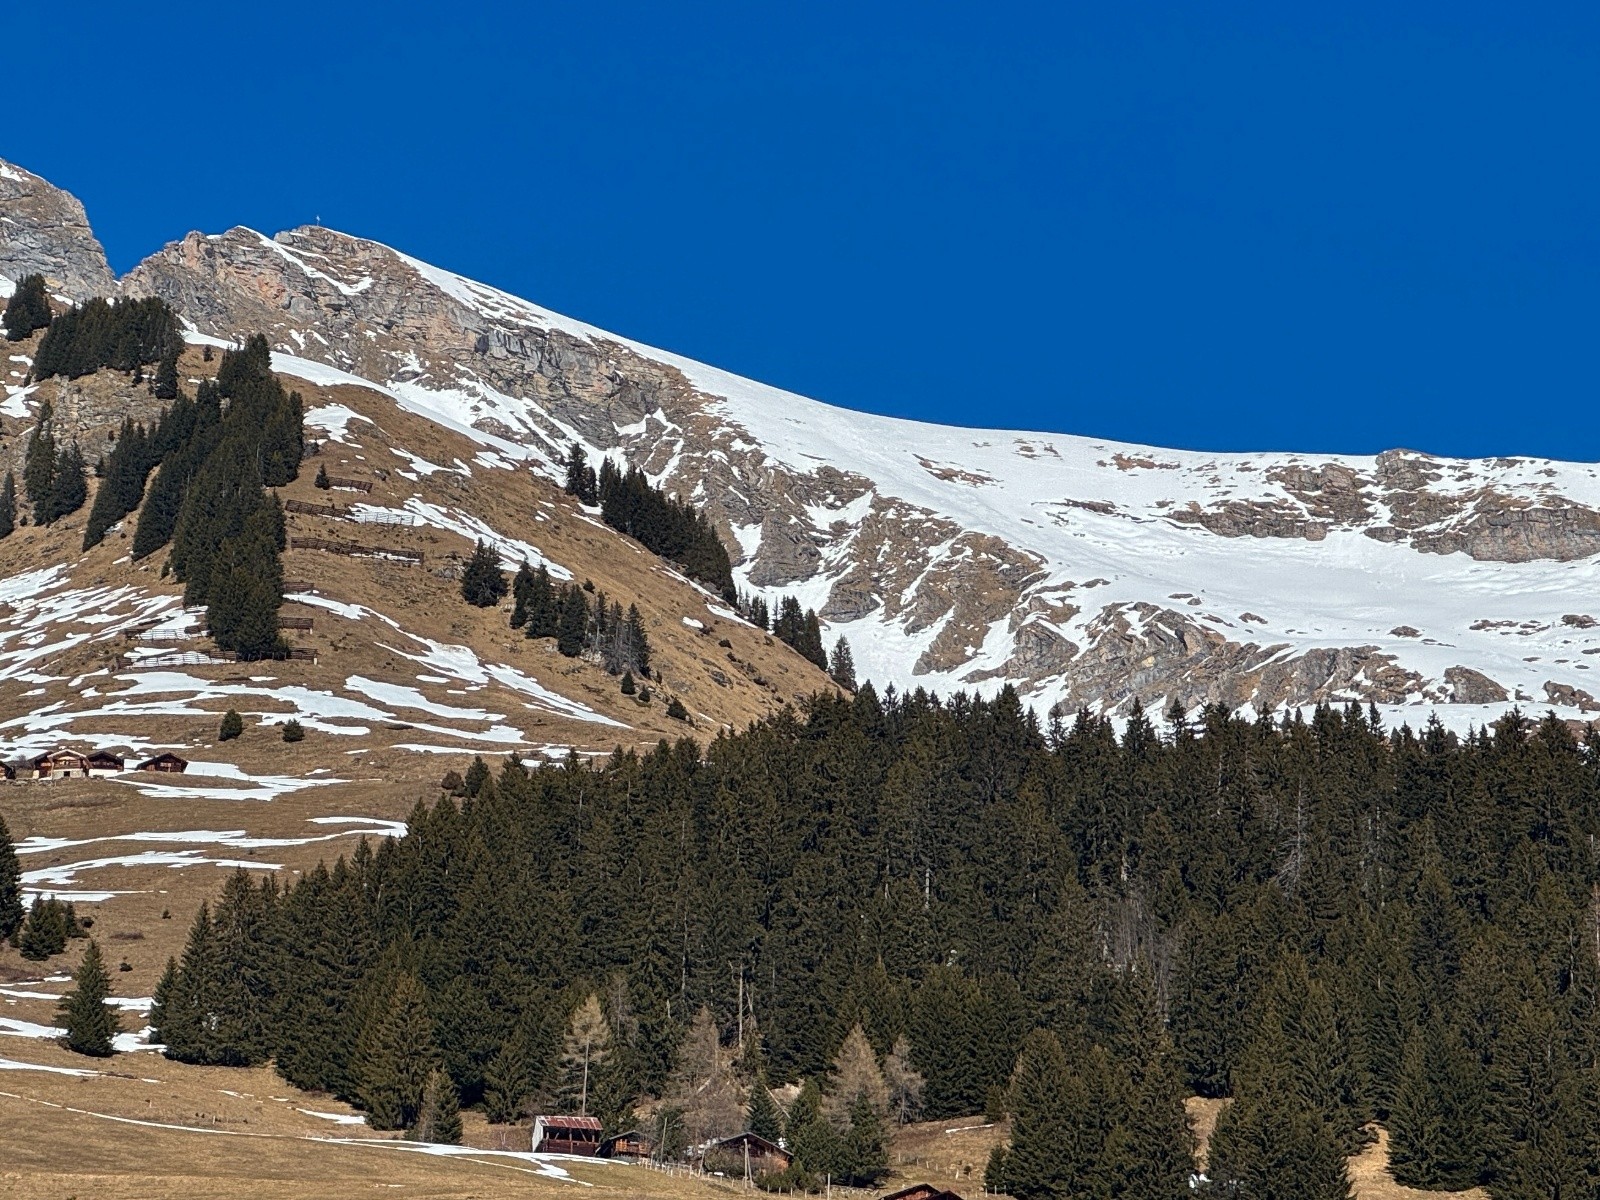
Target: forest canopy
column 1329, row 922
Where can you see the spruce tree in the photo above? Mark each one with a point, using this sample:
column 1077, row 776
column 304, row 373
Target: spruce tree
column 293, row 731
column 89, row 1022
column 11, row 911
column 39, row 465
column 866, row 1146
column 232, row 726
column 45, row 931
column 68, row 486
column 574, row 622
column 521, row 592
column 165, row 384
column 28, row 309
column 483, row 584
column 508, row 1082
column 160, row 999
column 1436, row 1133
column 762, row 1116
column 842, row 668
column 439, row 1117
column 395, row 1057
column 8, row 505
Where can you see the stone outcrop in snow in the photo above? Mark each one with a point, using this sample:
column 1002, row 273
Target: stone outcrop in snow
column 44, row 230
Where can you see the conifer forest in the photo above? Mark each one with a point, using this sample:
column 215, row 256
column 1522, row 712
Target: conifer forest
column 932, row 908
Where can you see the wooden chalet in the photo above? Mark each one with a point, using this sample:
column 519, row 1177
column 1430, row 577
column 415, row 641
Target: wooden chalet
column 921, row 1191
column 631, row 1146
column 61, row 764
column 18, row 768
column 764, row 1157
column 103, row 762
column 167, row 763
column 566, row 1135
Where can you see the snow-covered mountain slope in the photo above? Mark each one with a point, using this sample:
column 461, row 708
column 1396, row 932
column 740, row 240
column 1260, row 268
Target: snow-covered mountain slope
column 1086, row 572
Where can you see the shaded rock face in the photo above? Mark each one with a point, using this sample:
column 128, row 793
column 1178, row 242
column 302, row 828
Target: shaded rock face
column 43, row 230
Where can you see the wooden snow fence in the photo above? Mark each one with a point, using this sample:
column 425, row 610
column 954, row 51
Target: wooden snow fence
column 298, row 585
column 356, row 549
column 313, row 510
column 301, row 623
column 352, row 485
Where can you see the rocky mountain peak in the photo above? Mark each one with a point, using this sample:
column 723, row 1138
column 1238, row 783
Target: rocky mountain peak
column 44, row 230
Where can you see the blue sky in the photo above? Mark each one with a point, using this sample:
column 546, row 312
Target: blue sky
column 1316, row 227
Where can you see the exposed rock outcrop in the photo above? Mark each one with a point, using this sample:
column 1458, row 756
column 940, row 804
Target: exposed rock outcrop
column 43, row 230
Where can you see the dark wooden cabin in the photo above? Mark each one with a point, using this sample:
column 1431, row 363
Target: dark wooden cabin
column 632, row 1145
column 103, row 762
column 921, row 1191
column 167, row 762
column 728, row 1155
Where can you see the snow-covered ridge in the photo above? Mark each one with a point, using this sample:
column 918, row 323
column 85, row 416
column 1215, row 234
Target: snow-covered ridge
column 1083, row 570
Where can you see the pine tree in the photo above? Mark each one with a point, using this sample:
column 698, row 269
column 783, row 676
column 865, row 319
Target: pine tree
column 521, row 593
column 28, row 309
column 574, row 623
column 160, row 999
column 483, row 584
column 232, row 726
column 165, row 384
column 703, row 1087
column 46, row 930
column 90, row 1023
column 321, row 481
column 39, row 465
column 439, row 1118
column 1150, row 1155
column 866, row 1146
column 763, row 1117
column 676, row 710
column 293, row 731
column 1436, row 1133
column 1271, row 1142
column 395, row 1057
column 584, row 1052
column 68, row 487
column 509, row 1081
column 8, row 505
column 11, row 911
column 842, row 669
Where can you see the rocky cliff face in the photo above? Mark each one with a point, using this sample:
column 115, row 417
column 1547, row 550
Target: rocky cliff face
column 1083, row 572
column 44, row 230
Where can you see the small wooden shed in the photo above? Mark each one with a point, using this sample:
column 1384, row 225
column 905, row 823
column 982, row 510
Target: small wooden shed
column 166, row 762
column 566, row 1135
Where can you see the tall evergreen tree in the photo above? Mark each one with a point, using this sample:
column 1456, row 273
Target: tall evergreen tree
column 90, row 1023
column 8, row 505
column 395, row 1058
column 28, row 310
column 574, row 622
column 483, row 584
column 1436, row 1131
column 39, row 465
column 842, row 667
column 439, row 1117
column 11, row 911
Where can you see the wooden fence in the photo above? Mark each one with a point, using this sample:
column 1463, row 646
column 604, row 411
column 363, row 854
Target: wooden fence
column 355, row 549
column 313, row 510
column 353, row 485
